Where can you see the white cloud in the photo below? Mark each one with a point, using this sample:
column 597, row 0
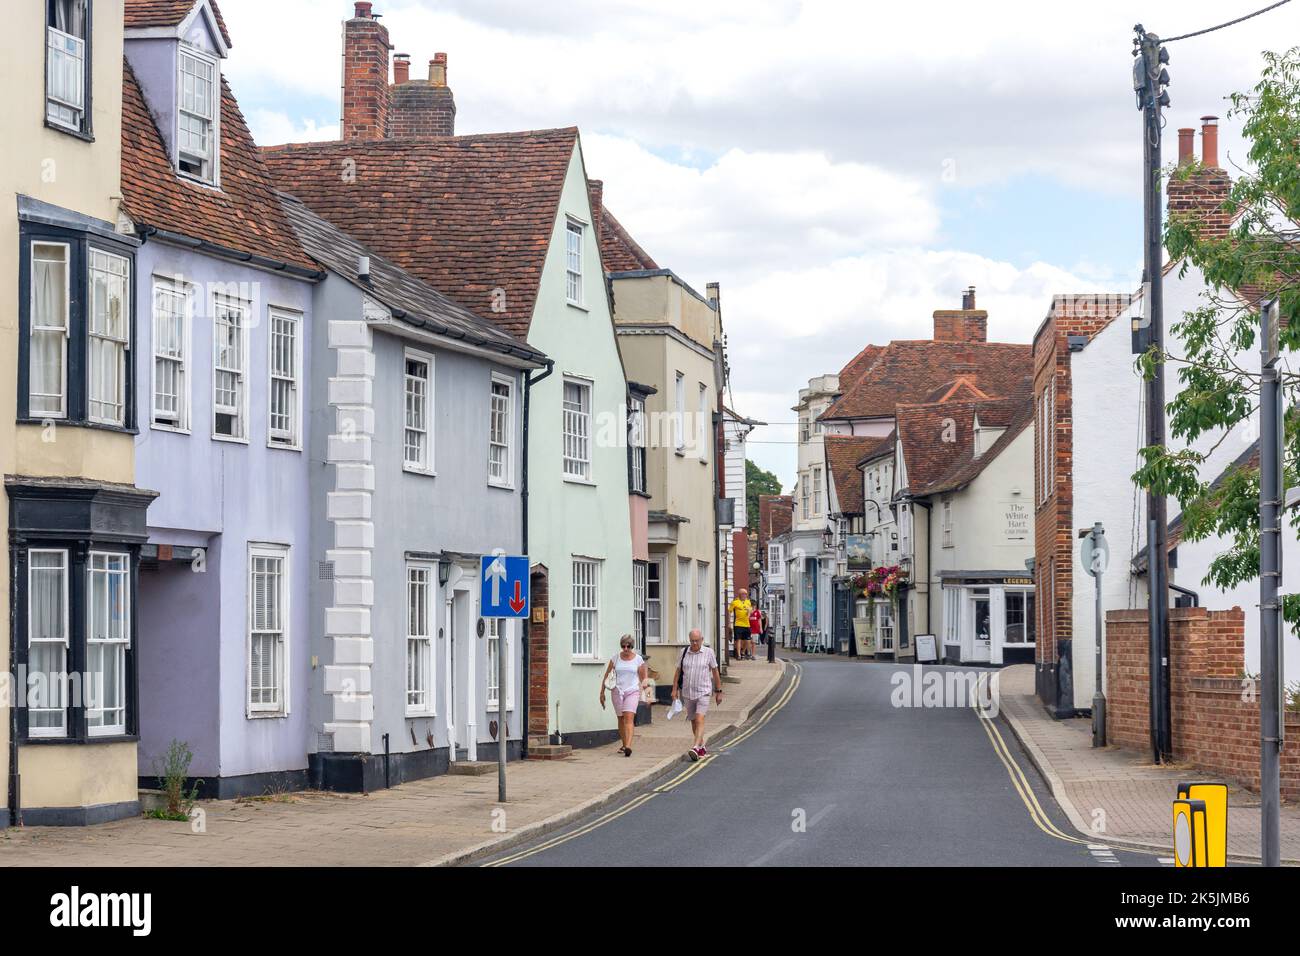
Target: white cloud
column 271, row 127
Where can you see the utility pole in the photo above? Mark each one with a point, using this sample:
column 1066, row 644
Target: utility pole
column 1272, row 702
column 1095, row 557
column 1149, row 81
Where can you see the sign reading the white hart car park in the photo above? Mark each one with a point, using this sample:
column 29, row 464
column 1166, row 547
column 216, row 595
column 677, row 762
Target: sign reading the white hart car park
column 1015, row 522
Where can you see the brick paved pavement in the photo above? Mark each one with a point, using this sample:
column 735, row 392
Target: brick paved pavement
column 1121, row 789
column 432, row 821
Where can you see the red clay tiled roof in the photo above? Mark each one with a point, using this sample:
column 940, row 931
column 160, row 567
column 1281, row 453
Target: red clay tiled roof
column 467, row 214
column 938, row 439
column 775, row 516
column 167, row 13
column 618, row 250
column 858, row 366
column 909, row 372
column 843, row 452
column 244, row 215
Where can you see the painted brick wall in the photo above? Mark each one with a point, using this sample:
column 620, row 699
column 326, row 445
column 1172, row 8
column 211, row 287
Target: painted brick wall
column 1214, row 728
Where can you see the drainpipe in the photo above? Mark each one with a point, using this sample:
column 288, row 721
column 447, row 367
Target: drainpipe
column 529, row 381
column 15, row 781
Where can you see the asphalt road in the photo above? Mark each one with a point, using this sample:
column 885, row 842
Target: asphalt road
column 839, row 776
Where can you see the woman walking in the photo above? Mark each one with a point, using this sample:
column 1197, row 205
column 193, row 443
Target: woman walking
column 628, row 672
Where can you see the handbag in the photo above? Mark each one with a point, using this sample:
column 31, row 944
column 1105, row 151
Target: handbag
column 611, row 677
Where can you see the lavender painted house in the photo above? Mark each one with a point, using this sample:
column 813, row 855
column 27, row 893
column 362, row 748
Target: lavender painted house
column 419, row 421
column 225, row 293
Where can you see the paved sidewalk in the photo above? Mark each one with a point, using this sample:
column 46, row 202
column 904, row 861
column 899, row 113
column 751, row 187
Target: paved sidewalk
column 437, row 821
column 1117, row 789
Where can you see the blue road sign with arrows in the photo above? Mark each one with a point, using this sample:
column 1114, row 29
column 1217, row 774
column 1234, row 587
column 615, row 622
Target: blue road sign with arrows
column 505, row 585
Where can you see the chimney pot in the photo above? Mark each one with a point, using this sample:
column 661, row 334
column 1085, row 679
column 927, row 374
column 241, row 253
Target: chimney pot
column 438, row 69
column 968, row 299
column 363, row 268
column 401, row 68
column 1210, row 141
column 1186, row 139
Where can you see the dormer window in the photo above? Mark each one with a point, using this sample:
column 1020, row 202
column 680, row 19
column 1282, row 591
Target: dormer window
column 67, row 60
column 196, row 121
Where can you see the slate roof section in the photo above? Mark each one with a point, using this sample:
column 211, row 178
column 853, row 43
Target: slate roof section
column 470, row 215
column 843, row 452
column 167, row 13
column 244, row 215
column 910, row 371
column 619, row 252
column 412, row 301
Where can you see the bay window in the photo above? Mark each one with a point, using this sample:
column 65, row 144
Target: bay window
column 108, row 634
column 48, row 639
column 76, row 322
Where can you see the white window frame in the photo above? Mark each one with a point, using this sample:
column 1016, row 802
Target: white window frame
column 428, row 708
column 507, row 477
column 64, row 332
column 637, row 443
column 702, row 596
column 64, row 50
column 59, row 691
column 575, row 234
column 654, row 606
column 580, row 444
column 259, row 709
column 804, row 495
column 183, row 290
column 685, row 597
column 240, row 411
column 1024, row 594
column 816, row 491
column 679, row 419
column 499, row 631
column 945, row 525
column 214, row 121
column 640, row 578
column 289, row 439
column 588, row 586
column 424, row 464
column 706, row 420
column 775, row 560
column 121, row 644
column 122, row 342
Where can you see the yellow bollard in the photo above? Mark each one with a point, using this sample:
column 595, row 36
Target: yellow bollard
column 1215, row 798
column 1189, row 833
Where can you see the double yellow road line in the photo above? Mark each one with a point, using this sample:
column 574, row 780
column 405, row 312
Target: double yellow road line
column 1018, row 780
column 649, row 795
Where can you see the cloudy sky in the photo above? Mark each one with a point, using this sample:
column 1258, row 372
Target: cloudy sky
column 842, row 169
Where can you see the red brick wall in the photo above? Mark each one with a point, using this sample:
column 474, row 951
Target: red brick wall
column 539, row 674
column 365, row 76
column 1214, row 729
column 420, row 109
column 961, row 325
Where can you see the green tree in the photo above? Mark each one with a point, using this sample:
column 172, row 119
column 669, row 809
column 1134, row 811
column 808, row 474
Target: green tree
column 1212, row 348
column 758, row 482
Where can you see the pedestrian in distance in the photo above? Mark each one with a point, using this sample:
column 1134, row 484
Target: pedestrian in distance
column 624, row 677
column 740, row 609
column 755, row 628
column 697, row 675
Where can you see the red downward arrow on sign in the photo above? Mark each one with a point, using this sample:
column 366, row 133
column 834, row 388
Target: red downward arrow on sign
column 517, row 602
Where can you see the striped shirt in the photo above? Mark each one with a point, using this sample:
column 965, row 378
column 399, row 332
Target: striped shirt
column 697, row 673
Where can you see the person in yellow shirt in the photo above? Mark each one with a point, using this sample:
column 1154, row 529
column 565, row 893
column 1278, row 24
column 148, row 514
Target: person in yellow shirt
column 740, row 609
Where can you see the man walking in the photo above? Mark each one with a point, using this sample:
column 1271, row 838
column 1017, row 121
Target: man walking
column 697, row 675
column 740, row 609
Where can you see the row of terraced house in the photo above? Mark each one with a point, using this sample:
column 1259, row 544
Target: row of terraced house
column 264, row 409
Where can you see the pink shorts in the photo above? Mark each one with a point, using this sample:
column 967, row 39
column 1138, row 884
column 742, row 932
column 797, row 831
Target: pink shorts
column 696, row 708
column 626, row 701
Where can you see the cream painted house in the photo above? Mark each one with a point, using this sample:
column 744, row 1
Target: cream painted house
column 670, row 337
column 75, row 520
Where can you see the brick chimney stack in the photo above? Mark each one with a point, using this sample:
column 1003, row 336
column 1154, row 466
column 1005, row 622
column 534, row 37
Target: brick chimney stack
column 1202, row 194
column 424, row 108
column 365, row 76
column 596, row 196
column 967, row 324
